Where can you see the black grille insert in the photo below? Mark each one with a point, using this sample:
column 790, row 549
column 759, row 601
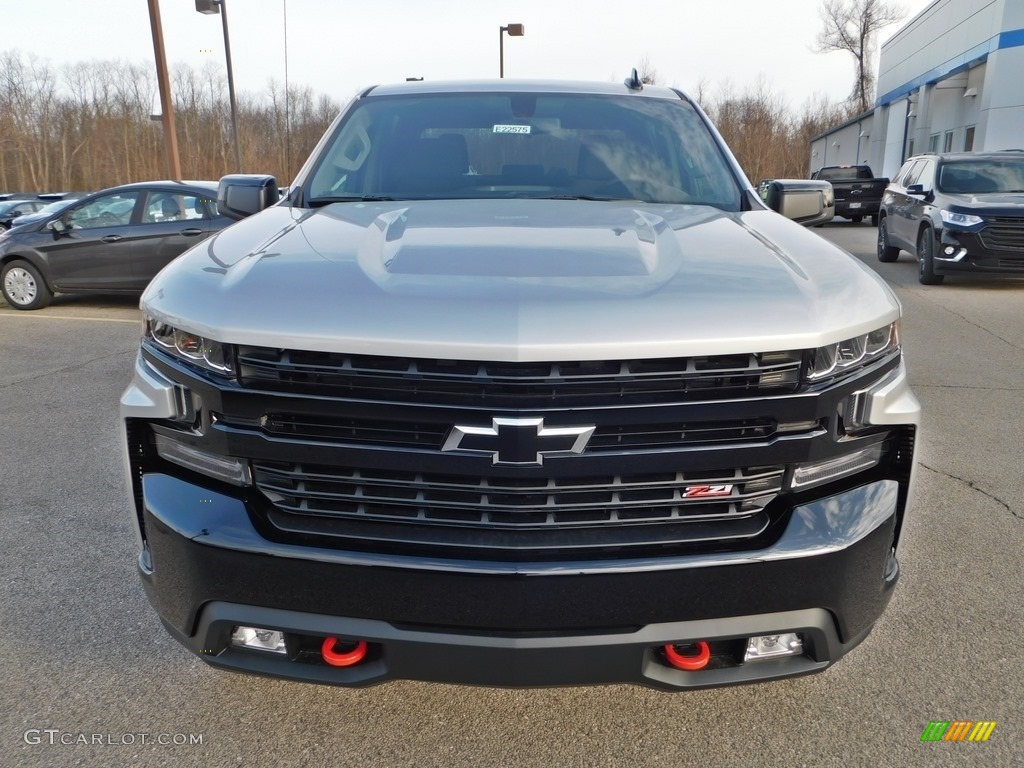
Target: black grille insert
column 586, row 513
column 416, row 380
column 1004, row 233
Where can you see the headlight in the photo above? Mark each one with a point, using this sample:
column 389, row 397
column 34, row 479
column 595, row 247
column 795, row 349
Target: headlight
column 960, row 219
column 188, row 346
column 857, row 352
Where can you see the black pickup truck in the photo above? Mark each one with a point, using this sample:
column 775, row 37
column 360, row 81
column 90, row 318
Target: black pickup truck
column 857, row 192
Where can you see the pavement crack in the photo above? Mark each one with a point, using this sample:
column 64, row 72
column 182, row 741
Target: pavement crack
column 66, row 368
column 970, row 484
column 930, row 297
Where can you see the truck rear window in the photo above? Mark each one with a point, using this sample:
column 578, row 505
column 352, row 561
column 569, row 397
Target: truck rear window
column 479, row 145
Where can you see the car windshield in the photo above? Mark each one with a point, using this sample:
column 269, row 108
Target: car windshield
column 532, row 145
column 982, row 176
column 59, row 205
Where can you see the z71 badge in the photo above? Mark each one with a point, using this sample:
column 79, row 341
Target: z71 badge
column 706, row 491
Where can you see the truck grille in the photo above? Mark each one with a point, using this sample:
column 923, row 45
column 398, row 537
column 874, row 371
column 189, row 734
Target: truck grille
column 1003, row 233
column 405, row 434
column 519, row 385
column 497, row 515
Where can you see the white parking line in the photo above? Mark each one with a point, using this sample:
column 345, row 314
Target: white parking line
column 34, row 316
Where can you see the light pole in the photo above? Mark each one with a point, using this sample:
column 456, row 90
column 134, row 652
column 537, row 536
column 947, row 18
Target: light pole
column 514, row 30
column 166, row 105
column 220, row 6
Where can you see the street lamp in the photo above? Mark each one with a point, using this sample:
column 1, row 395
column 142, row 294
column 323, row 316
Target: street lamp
column 164, row 85
column 209, row 7
column 514, row 30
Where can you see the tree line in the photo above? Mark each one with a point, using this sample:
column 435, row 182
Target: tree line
column 87, row 125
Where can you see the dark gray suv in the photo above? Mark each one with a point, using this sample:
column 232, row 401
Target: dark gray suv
column 957, row 213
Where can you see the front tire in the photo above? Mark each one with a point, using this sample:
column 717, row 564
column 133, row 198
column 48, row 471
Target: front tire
column 874, row 220
column 886, row 252
column 23, row 287
column 926, row 259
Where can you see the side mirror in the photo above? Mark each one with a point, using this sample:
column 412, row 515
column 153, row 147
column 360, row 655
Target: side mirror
column 57, row 226
column 243, row 194
column 805, row 201
column 918, row 190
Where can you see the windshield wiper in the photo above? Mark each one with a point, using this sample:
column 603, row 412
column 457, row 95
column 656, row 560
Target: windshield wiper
column 351, row 199
column 597, row 198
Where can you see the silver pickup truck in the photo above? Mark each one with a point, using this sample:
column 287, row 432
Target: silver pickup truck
column 521, row 385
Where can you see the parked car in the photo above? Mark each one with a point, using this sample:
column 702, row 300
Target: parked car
column 957, row 213
column 858, row 193
column 523, row 385
column 12, row 210
column 45, row 212
column 112, row 241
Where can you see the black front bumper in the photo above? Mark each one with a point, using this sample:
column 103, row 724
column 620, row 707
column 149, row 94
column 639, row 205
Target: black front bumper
column 207, row 569
column 971, row 255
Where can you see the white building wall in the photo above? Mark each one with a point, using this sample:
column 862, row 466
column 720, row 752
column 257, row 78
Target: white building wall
column 1001, row 118
column 957, row 64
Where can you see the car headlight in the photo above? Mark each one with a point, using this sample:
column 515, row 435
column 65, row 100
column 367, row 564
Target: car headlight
column 190, row 347
column 853, row 353
column 960, row 219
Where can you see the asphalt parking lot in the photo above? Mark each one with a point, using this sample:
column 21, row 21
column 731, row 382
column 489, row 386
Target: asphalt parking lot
column 84, row 658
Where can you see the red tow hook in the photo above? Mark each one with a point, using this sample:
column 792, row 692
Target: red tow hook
column 344, row 659
column 689, row 663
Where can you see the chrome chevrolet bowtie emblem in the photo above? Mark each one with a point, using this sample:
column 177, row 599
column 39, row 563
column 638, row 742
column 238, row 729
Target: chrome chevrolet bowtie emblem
column 518, row 441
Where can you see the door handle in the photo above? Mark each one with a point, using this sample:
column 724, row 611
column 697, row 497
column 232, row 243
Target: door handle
column 111, row 238
column 191, row 232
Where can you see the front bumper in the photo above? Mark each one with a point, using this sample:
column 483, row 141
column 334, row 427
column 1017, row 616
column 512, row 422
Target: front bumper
column 828, row 577
column 965, row 252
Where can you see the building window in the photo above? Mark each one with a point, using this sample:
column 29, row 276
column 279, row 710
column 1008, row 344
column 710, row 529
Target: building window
column 910, row 149
column 969, row 139
column 933, row 143
column 947, row 144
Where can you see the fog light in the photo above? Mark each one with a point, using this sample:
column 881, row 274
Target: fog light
column 806, row 475
column 224, row 468
column 949, row 250
column 772, row 646
column 258, row 639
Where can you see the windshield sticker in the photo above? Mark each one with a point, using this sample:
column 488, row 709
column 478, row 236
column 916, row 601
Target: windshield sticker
column 511, row 129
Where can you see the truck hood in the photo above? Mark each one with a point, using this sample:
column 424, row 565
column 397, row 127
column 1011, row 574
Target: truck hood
column 520, row 280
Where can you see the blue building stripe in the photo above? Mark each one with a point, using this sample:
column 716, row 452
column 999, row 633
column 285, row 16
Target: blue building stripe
column 1010, row 39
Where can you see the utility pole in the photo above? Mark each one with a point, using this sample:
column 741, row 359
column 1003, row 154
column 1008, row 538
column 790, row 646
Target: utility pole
column 166, row 104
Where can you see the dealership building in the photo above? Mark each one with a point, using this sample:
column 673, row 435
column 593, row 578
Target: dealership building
column 951, row 80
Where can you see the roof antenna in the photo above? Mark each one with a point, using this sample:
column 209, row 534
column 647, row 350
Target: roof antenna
column 633, row 82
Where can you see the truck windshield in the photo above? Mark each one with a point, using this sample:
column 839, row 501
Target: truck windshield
column 539, row 145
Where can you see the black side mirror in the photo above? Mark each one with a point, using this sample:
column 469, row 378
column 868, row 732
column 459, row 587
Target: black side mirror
column 58, row 227
column 915, row 189
column 243, row 194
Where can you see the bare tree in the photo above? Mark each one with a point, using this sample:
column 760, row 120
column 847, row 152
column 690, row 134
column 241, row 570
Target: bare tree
column 851, row 26
column 648, row 74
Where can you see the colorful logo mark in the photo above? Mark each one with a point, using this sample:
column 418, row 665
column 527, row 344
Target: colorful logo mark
column 958, row 730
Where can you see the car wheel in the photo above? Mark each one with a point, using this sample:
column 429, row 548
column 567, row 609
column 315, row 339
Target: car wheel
column 23, row 287
column 926, row 259
column 874, row 220
column 886, row 252
column 856, row 219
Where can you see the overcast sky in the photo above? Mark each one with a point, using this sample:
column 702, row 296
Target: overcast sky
column 339, row 46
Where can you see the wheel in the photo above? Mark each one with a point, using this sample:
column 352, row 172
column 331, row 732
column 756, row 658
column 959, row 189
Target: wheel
column 926, row 259
column 886, row 252
column 23, row 287
column 874, row 220
column 856, row 219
